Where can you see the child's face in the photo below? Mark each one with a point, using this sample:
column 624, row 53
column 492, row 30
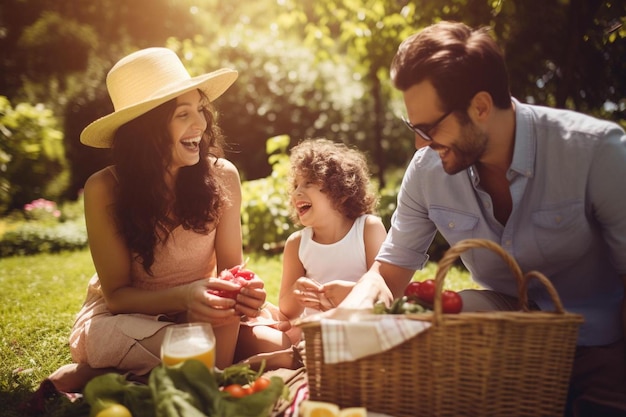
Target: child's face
column 312, row 205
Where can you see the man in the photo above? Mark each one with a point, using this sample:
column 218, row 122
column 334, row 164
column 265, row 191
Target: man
column 545, row 184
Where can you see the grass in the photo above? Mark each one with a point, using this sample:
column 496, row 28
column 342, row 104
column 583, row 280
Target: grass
column 40, row 295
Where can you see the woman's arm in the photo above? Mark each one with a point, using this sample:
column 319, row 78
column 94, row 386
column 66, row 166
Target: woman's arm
column 228, row 241
column 112, row 260
column 228, row 238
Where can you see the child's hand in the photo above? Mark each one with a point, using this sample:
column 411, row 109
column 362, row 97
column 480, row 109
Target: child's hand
column 336, row 291
column 308, row 292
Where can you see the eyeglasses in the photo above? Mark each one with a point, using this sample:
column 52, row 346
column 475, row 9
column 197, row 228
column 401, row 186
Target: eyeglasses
column 423, row 130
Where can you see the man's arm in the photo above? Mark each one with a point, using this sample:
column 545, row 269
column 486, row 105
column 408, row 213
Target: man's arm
column 383, row 282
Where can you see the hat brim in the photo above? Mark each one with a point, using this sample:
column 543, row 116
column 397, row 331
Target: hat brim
column 100, row 133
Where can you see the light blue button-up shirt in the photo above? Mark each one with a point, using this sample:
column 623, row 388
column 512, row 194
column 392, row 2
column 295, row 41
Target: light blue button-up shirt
column 568, row 186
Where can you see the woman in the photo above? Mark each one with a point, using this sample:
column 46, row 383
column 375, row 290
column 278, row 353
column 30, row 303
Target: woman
column 161, row 222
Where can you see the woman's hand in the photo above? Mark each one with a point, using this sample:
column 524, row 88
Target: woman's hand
column 251, row 297
column 206, row 307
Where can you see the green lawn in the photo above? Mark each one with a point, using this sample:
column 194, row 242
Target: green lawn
column 39, row 296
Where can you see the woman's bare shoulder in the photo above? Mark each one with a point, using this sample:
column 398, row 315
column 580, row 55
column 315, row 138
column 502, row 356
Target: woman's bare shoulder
column 101, row 183
column 224, row 166
column 227, row 171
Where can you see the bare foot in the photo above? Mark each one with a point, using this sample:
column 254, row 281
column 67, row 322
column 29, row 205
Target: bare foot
column 74, row 377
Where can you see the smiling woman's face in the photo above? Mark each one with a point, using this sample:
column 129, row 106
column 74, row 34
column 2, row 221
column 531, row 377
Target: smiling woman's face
column 186, row 128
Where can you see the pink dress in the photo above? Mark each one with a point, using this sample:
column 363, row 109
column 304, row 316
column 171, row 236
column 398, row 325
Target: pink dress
column 102, row 339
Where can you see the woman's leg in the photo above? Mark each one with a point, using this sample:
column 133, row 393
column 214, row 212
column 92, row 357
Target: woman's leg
column 74, row 377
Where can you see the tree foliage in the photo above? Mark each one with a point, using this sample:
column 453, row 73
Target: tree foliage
column 281, row 90
column 31, row 153
column 306, row 68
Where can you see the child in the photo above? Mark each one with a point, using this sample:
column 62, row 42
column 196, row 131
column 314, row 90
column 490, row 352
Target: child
column 332, row 199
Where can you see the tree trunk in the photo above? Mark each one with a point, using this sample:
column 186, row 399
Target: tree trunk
column 378, row 126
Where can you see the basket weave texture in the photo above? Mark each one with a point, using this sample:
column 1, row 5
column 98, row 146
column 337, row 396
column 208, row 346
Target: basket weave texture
column 513, row 363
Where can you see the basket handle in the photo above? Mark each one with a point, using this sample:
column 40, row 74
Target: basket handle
column 558, row 305
column 455, row 251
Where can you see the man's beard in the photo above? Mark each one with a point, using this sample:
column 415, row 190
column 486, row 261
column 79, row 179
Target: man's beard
column 465, row 152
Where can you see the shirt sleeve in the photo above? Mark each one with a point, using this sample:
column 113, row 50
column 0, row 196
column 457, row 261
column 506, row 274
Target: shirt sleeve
column 607, row 192
column 411, row 231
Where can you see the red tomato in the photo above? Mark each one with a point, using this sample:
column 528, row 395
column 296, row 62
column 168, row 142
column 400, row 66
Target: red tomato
column 260, row 384
column 411, row 290
column 235, row 390
column 426, row 290
column 451, row 302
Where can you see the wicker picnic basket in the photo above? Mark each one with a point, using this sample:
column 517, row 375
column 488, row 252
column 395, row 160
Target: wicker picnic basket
column 514, row 363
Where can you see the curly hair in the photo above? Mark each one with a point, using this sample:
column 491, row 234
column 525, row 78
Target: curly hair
column 141, row 154
column 342, row 173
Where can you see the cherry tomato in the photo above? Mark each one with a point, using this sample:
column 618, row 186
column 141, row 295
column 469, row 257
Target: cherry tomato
column 426, row 290
column 235, row 390
column 411, row 290
column 260, row 384
column 451, row 302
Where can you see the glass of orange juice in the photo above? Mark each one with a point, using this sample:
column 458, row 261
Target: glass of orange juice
column 189, row 341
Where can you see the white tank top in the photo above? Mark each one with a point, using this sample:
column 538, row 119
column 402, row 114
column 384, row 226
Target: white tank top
column 343, row 260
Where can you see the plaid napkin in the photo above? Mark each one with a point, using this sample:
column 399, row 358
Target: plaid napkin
column 348, row 335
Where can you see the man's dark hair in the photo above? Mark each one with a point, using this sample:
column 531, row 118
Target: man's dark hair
column 458, row 61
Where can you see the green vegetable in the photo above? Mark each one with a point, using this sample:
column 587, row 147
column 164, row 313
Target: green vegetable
column 188, row 389
column 402, row 305
column 240, row 374
column 113, row 388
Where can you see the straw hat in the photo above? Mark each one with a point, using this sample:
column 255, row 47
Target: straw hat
column 144, row 80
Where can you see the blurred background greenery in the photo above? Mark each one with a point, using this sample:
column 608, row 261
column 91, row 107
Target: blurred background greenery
column 307, row 69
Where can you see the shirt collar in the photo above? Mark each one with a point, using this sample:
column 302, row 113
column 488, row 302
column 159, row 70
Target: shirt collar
column 525, row 142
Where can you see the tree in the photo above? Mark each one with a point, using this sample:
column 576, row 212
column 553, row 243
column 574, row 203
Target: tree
column 561, row 53
column 31, row 154
column 572, row 56
column 281, row 90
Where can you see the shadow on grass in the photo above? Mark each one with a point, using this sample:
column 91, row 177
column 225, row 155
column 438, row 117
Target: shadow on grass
column 45, row 402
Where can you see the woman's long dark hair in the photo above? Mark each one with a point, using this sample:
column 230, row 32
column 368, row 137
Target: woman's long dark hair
column 142, row 151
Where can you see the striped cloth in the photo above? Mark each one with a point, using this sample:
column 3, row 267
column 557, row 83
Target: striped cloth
column 349, row 340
